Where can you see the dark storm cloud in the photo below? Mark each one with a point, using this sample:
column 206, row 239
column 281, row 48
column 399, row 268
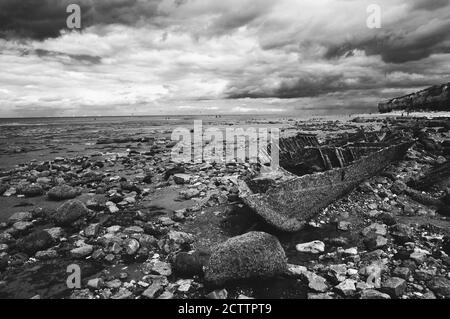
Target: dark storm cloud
column 80, row 58
column 41, row 19
column 429, row 5
column 400, row 47
column 414, row 36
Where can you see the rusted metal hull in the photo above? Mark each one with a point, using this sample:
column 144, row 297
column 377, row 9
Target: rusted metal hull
column 287, row 205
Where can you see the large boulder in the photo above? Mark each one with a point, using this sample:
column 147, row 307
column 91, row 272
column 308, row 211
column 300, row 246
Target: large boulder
column 252, row 255
column 62, row 192
column 34, row 242
column 70, row 212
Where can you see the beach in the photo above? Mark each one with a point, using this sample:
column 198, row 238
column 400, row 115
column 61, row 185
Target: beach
column 103, row 193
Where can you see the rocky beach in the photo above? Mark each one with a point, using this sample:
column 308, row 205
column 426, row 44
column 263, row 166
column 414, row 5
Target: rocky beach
column 103, row 194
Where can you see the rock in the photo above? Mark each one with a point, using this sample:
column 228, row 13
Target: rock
column 184, row 285
column 375, row 229
column 55, row 232
column 161, row 268
column 131, row 246
column 70, row 212
column 123, row 293
column 440, row 286
column 375, row 242
column 254, row 254
column 401, row 233
column 151, row 291
column 402, row 272
column 166, row 295
column 22, row 226
column 296, row 270
column 344, row 226
column 20, row 217
column 320, row 296
column 398, row 187
column 373, row 294
column 62, row 192
column 315, row 282
column 347, row 287
column 338, row 272
column 34, row 242
column 394, row 286
column 82, row 251
column 190, row 193
column 419, row 255
column 424, row 275
column 32, row 190
column 186, row 264
column 182, row 178
column 148, row 178
column 91, row 230
column 180, row 238
column 95, row 283
column 386, row 218
column 114, row 284
column 81, row 294
column 218, row 294
column 47, row 254
column 314, row 247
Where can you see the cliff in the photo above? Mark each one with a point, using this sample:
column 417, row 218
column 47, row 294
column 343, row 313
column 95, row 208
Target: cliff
column 435, row 98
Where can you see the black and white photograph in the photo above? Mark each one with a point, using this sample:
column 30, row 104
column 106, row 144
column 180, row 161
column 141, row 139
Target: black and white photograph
column 250, row 151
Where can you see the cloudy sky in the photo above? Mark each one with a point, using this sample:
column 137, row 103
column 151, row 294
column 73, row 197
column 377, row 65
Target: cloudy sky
column 215, row 56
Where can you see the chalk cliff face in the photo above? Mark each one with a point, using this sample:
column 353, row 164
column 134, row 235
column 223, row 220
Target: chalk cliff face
column 435, row 98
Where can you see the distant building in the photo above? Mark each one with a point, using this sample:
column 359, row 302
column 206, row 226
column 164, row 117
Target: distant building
column 435, row 98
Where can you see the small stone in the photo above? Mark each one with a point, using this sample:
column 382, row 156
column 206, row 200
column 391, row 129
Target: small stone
column 20, row 217
column 218, row 294
column 321, row 296
column 375, row 229
column 92, row 230
column 95, row 283
column 402, row 272
column 375, row 242
column 314, row 247
column 184, row 285
column 22, row 226
column 440, row 286
column 46, row 254
column 394, row 286
column 114, row 284
column 32, row 190
column 62, row 192
column 151, row 291
column 338, row 272
column 419, row 255
column 315, row 282
column 344, row 226
column 373, row 294
column 55, row 232
column 347, row 287
column 131, row 246
column 182, row 178
column 161, row 268
column 166, row 295
column 82, row 251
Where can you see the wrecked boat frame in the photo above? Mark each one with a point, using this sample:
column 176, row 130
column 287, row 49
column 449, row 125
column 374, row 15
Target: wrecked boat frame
column 289, row 197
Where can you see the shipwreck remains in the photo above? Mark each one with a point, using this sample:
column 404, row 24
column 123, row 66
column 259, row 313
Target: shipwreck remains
column 312, row 177
column 435, row 98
